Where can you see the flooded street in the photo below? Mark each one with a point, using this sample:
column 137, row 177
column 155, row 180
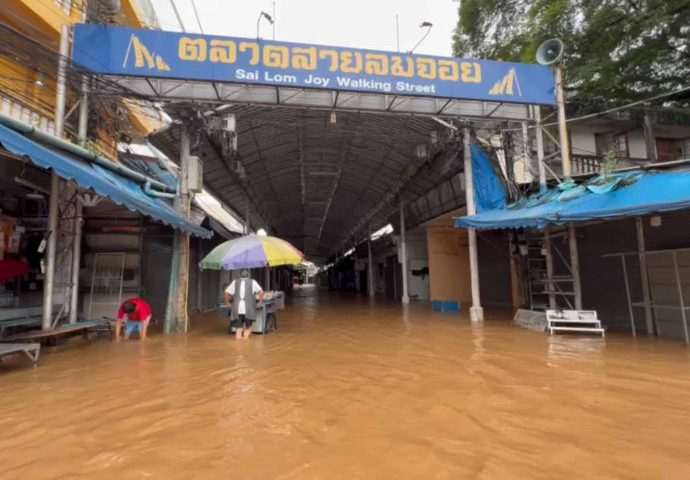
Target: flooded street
column 345, row 389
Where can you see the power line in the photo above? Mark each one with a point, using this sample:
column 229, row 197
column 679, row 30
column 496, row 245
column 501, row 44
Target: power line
column 611, row 110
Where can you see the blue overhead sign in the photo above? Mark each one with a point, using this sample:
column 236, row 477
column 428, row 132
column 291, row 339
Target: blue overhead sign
column 187, row 56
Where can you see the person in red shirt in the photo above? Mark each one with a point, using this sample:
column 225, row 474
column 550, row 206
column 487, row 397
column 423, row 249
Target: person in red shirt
column 138, row 316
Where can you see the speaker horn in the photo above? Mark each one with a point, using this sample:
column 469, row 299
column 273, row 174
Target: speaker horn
column 550, row 52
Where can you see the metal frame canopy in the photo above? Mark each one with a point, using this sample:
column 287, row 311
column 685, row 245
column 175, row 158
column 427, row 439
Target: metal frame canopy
column 206, row 68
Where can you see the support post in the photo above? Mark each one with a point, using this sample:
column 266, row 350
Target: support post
column 246, row 219
column 679, row 285
column 199, row 273
column 354, row 265
column 649, row 139
column 562, row 126
column 628, row 298
column 182, row 205
column 540, row 148
column 83, row 112
column 646, row 290
column 575, row 265
column 370, row 266
column 551, row 287
column 403, row 254
column 476, row 310
column 76, row 259
column 53, row 208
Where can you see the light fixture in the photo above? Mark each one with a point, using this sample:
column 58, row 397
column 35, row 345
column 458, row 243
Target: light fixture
column 426, row 25
column 334, row 118
column 39, row 80
column 655, row 221
column 422, row 151
column 258, row 21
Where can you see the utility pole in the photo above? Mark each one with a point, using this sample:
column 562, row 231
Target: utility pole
column 182, row 205
column 54, row 206
column 78, row 206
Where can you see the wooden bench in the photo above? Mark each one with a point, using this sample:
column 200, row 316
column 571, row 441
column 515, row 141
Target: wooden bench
column 19, row 317
column 582, row 321
column 31, row 350
column 63, row 330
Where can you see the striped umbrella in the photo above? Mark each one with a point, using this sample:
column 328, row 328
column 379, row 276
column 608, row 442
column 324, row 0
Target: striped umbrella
column 252, row 251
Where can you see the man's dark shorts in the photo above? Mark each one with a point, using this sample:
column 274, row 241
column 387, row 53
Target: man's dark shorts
column 241, row 322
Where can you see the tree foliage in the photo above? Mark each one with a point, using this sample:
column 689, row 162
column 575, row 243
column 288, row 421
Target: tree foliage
column 616, row 50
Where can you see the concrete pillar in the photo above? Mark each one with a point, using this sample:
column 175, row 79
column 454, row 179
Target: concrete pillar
column 182, row 205
column 476, row 310
column 370, row 266
column 403, row 254
column 53, row 206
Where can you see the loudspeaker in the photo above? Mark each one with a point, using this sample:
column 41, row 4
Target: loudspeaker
column 550, row 51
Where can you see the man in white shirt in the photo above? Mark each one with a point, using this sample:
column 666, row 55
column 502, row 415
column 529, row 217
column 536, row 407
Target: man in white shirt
column 245, row 297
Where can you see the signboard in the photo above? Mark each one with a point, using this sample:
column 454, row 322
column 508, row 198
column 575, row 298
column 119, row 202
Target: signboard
column 187, row 56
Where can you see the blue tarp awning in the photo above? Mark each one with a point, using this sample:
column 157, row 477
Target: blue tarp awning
column 104, row 182
column 619, row 195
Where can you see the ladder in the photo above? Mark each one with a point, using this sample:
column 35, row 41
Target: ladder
column 548, row 287
column 579, row 321
column 107, row 278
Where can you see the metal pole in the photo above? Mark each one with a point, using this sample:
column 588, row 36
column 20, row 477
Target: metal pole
column 562, row 126
column 646, row 291
column 76, row 260
column 354, row 265
column 526, row 152
column 403, row 253
column 246, row 219
column 273, row 24
column 370, row 266
column 540, row 148
column 627, row 294
column 82, row 134
column 199, row 273
column 476, row 310
column 680, row 297
column 549, row 269
column 49, row 282
column 397, row 32
column 83, row 112
column 182, row 205
column 575, row 265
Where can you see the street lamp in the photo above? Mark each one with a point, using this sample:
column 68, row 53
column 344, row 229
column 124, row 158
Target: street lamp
column 426, row 25
column 258, row 21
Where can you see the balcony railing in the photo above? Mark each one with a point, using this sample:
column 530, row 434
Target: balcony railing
column 592, row 164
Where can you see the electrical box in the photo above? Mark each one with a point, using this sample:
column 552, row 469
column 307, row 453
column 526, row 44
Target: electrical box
column 195, row 175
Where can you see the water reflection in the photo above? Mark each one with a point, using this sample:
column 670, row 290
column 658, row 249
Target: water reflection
column 353, row 390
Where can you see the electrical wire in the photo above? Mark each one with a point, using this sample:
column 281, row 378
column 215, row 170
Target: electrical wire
column 610, row 110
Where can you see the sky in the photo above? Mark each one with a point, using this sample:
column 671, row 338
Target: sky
column 367, row 24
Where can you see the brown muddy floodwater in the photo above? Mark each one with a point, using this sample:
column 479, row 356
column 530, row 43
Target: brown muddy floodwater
column 349, row 390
